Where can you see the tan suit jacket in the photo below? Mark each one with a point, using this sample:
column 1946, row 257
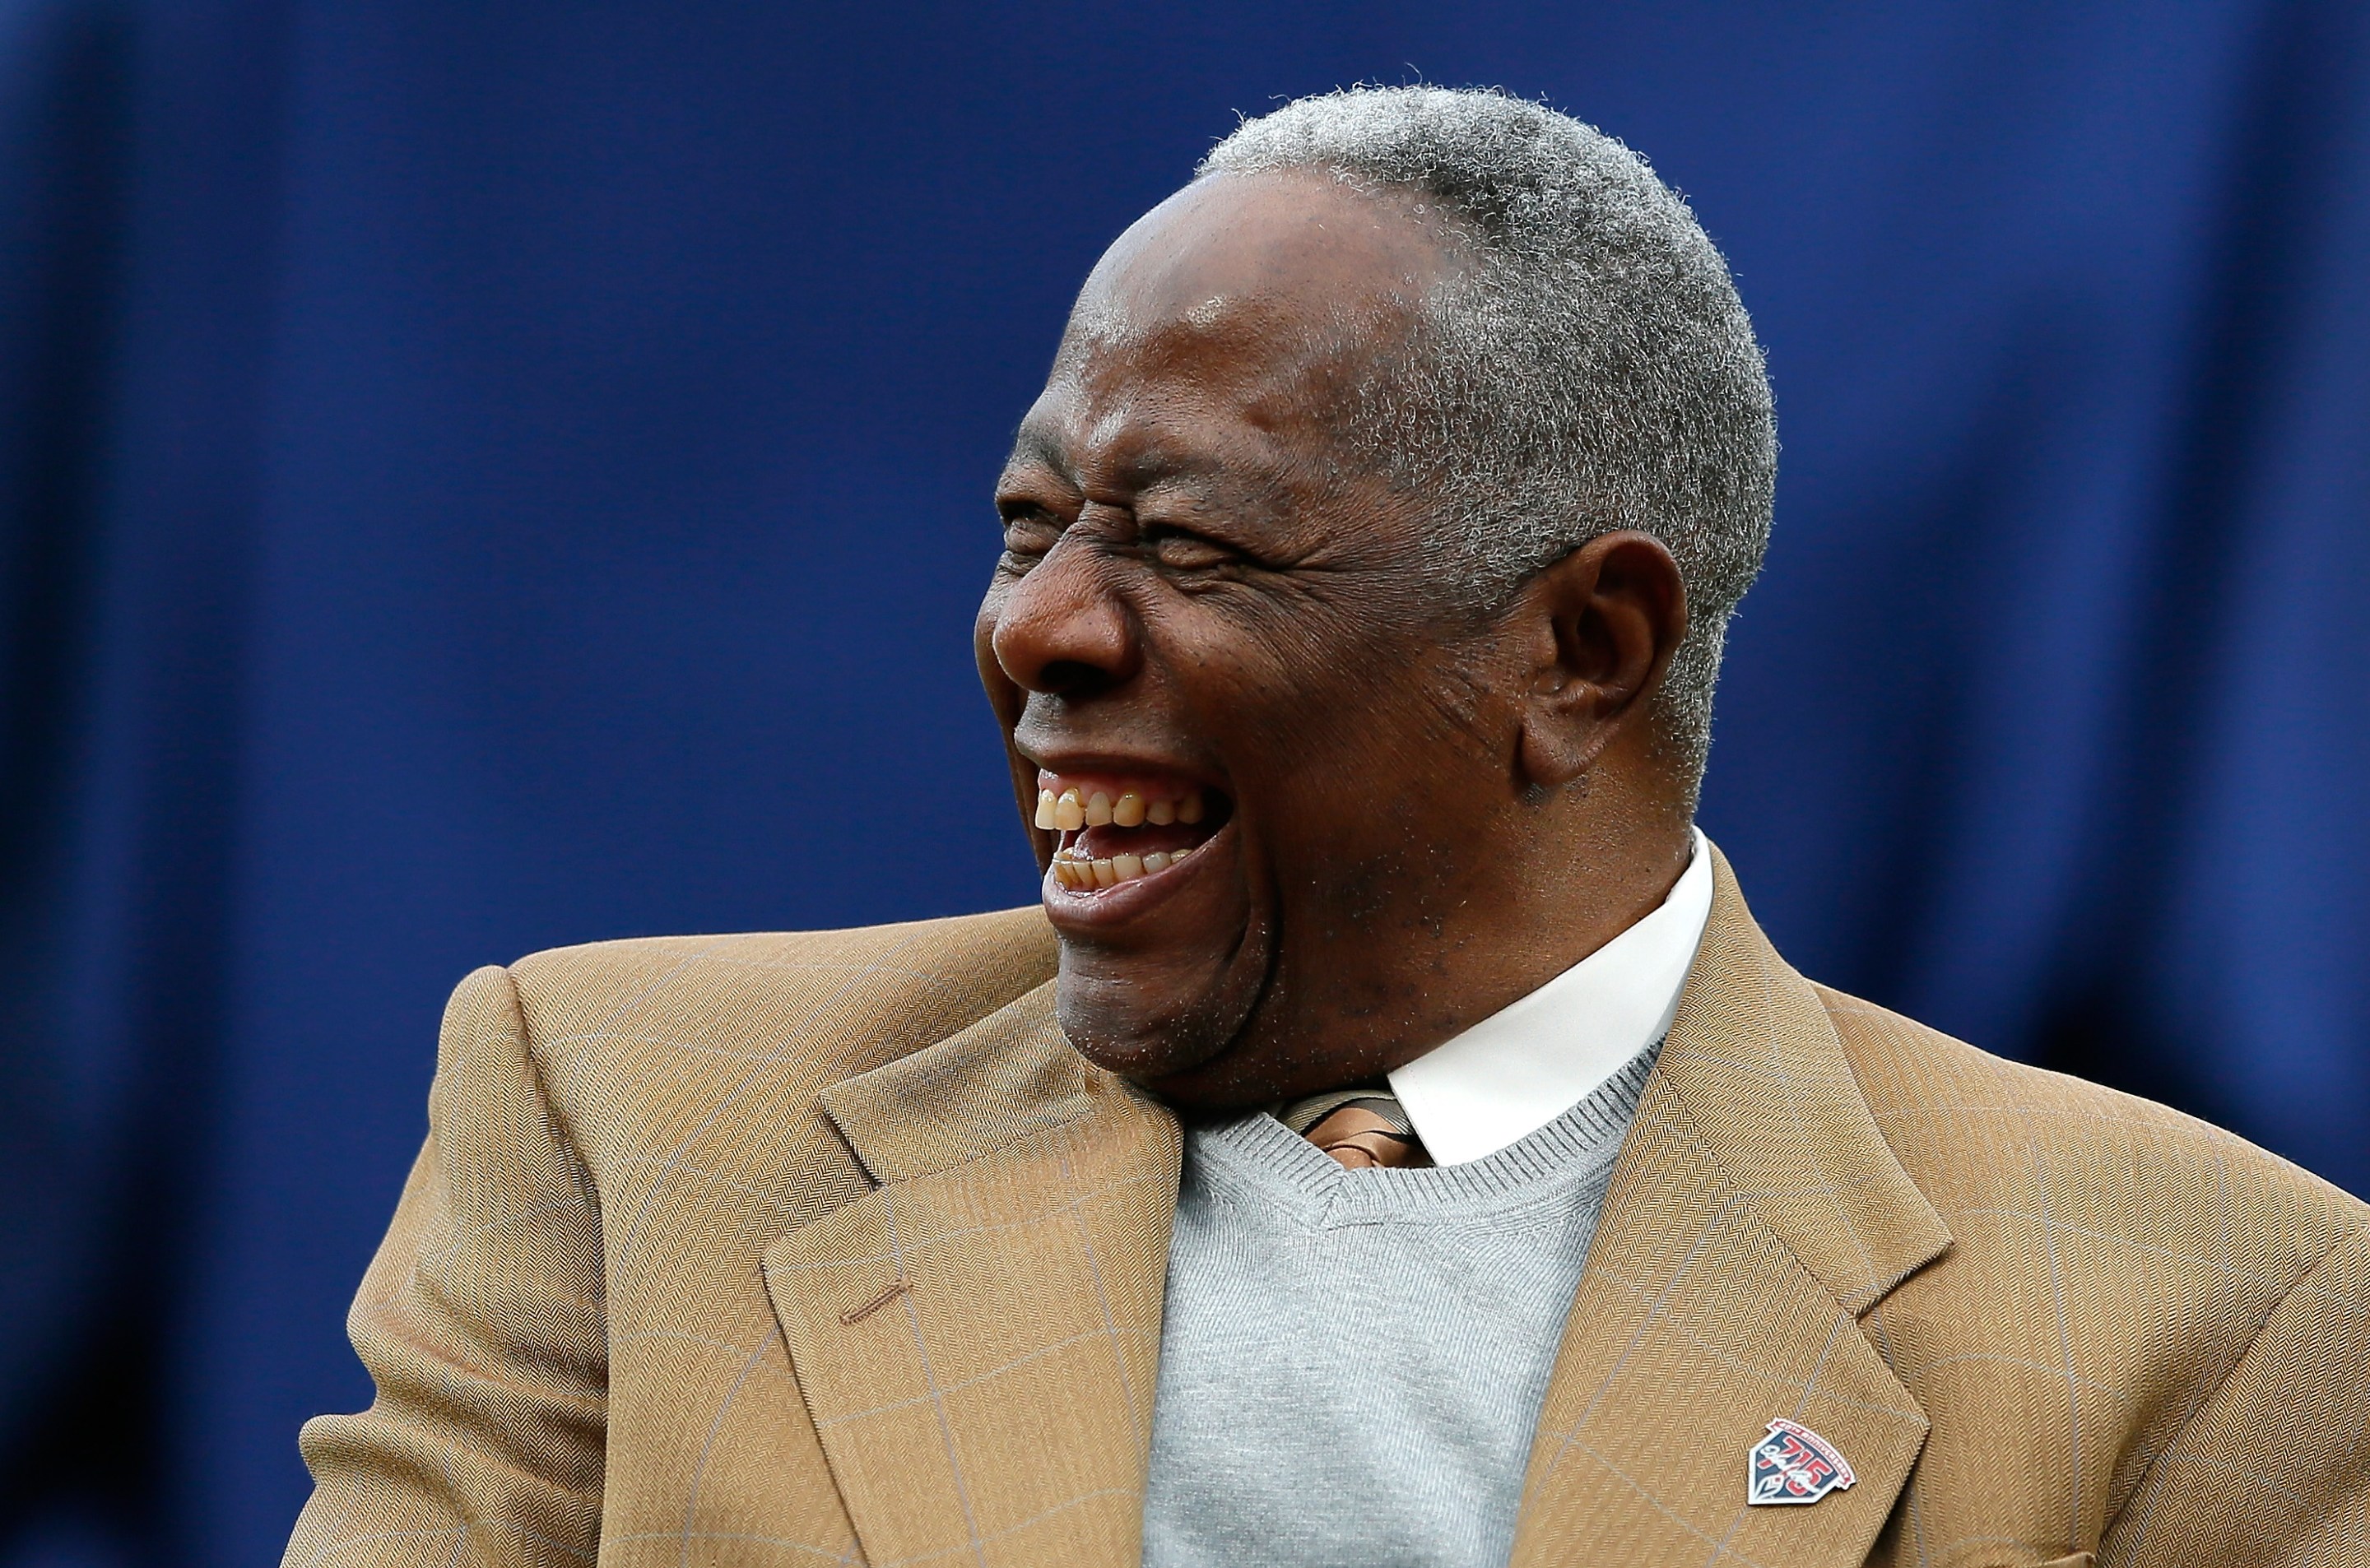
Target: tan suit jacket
column 793, row 1250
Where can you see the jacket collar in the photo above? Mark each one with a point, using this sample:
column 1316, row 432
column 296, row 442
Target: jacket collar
column 1755, row 1061
column 1755, row 1213
column 977, row 1339
column 1005, row 1078
column 1751, row 1058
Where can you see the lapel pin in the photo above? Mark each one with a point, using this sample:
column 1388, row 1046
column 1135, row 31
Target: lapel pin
column 1794, row 1464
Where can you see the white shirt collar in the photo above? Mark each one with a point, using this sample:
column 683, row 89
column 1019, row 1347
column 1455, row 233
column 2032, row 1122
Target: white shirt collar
column 1523, row 1066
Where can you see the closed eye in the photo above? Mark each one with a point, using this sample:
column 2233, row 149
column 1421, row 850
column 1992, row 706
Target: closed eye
column 1029, row 533
column 1180, row 550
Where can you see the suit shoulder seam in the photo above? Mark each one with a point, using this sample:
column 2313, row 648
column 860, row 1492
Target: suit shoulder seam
column 709, row 941
column 563, row 1133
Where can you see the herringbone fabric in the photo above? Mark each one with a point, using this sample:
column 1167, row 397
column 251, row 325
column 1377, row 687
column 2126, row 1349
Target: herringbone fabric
column 826, row 1248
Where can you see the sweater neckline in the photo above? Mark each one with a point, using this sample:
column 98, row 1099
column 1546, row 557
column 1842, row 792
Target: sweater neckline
column 1540, row 1170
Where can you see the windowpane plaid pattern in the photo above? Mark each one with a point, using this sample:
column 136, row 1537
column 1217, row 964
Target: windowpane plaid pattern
column 826, row 1248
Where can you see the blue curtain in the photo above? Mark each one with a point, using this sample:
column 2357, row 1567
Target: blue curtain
column 476, row 478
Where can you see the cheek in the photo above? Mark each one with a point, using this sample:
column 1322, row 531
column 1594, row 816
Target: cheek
column 1339, row 705
column 1386, row 766
column 1366, row 787
column 1389, row 720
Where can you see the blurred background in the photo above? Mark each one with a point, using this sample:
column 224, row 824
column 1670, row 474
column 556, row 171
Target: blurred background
column 482, row 476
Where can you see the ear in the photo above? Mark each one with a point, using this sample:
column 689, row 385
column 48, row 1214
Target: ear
column 1602, row 625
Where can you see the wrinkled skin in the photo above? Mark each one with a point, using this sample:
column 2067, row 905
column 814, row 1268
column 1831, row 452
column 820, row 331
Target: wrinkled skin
column 1430, row 810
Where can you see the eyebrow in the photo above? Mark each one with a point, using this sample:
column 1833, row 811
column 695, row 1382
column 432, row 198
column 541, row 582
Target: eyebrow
column 1155, row 467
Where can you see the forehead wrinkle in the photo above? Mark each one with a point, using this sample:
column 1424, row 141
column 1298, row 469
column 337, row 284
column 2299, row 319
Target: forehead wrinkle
column 1166, row 384
column 1290, row 339
column 1119, row 456
column 1129, row 429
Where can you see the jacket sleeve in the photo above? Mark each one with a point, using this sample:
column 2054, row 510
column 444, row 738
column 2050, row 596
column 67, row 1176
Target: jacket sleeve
column 2274, row 1468
column 481, row 1321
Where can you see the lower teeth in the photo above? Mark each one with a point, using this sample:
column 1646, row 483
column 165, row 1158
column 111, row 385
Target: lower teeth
column 1079, row 872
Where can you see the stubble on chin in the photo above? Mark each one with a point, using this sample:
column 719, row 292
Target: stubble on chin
column 1181, row 1049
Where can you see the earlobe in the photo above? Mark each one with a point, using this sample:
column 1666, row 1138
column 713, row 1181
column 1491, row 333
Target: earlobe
column 1567, row 724
column 1553, row 752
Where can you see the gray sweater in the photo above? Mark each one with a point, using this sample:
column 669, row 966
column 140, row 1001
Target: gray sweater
column 1351, row 1362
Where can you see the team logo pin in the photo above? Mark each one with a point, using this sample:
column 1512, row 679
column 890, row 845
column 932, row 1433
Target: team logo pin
column 1794, row 1464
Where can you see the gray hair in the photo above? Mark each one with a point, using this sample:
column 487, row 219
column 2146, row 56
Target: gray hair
column 1591, row 369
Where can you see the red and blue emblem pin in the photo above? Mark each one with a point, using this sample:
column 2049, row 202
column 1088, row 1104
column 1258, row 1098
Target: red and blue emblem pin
column 1794, row 1464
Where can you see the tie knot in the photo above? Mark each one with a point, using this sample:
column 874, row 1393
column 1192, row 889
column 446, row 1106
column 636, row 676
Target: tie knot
column 1360, row 1127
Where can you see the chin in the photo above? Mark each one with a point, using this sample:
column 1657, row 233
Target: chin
column 1154, row 890
column 1123, row 1027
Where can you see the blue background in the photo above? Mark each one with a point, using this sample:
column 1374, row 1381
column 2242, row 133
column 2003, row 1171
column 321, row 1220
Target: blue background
column 480, row 476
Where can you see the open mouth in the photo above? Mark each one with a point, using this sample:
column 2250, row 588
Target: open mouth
column 1117, row 831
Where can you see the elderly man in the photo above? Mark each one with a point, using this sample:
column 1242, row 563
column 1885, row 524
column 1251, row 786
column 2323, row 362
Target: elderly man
column 1392, row 1141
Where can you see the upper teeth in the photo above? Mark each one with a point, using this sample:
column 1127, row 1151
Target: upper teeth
column 1069, row 811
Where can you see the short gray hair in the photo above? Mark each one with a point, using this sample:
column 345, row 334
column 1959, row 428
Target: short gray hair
column 1592, row 369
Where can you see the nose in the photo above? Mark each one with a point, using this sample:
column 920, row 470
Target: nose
column 1061, row 629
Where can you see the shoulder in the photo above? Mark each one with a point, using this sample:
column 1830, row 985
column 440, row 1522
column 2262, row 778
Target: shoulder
column 638, row 1043
column 2124, row 1286
column 2209, row 1293
column 926, row 973
column 1973, row 1130
column 2184, row 1237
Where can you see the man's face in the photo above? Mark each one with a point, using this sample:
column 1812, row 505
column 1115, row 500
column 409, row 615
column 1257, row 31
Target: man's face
column 1274, row 759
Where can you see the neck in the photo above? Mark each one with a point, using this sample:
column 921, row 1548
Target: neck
column 1570, row 894
column 1579, row 892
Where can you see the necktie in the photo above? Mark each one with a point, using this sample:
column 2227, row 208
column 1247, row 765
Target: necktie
column 1360, row 1128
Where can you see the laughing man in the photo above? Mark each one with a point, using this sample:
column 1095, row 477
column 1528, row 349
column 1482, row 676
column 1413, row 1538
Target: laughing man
column 1392, row 1141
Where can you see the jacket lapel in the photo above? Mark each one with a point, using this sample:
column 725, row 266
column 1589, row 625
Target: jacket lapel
column 1755, row 1214
column 976, row 1339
